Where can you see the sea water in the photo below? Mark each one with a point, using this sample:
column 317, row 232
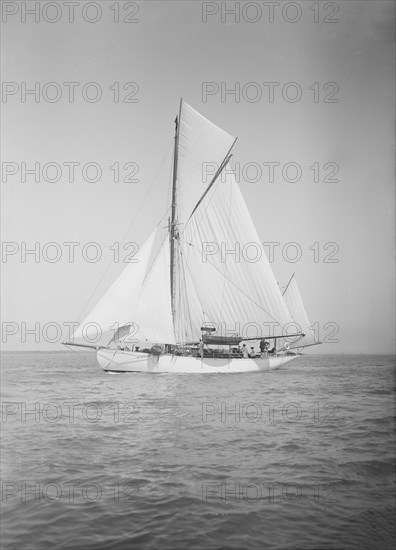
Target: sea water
column 302, row 457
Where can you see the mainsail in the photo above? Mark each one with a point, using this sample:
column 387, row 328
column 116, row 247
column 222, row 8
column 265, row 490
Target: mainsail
column 231, row 290
column 235, row 284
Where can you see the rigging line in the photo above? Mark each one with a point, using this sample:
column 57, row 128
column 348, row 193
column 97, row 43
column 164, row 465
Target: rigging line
column 167, row 208
column 131, row 224
column 225, row 267
column 295, row 342
column 176, row 318
column 307, row 345
column 155, row 259
column 287, row 286
column 210, row 230
column 169, row 195
column 236, row 286
column 187, row 311
column 197, row 231
column 187, row 304
column 179, row 295
column 203, row 314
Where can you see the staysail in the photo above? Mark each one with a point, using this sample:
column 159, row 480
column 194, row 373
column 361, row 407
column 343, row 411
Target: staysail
column 116, row 307
column 153, row 313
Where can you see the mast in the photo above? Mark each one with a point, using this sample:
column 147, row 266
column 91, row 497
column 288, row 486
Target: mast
column 172, row 230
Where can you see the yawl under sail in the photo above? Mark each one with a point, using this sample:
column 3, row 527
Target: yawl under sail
column 186, row 303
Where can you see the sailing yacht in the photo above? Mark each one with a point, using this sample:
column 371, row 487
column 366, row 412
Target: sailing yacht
column 186, row 305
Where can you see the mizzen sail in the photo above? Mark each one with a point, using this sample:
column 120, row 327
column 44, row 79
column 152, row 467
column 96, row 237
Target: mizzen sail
column 296, row 307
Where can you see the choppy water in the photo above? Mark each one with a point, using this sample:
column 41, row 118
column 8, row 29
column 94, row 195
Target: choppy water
column 296, row 458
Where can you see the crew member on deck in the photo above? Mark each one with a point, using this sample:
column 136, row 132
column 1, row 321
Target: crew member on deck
column 201, row 346
column 244, row 350
column 264, row 346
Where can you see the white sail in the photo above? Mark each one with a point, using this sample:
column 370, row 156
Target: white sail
column 116, row 307
column 189, row 313
column 234, row 292
column 209, row 269
column 202, row 147
column 153, row 313
column 296, row 307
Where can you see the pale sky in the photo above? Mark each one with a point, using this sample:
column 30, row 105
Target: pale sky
column 170, row 53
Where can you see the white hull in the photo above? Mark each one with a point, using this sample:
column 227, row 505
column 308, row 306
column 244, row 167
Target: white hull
column 123, row 361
